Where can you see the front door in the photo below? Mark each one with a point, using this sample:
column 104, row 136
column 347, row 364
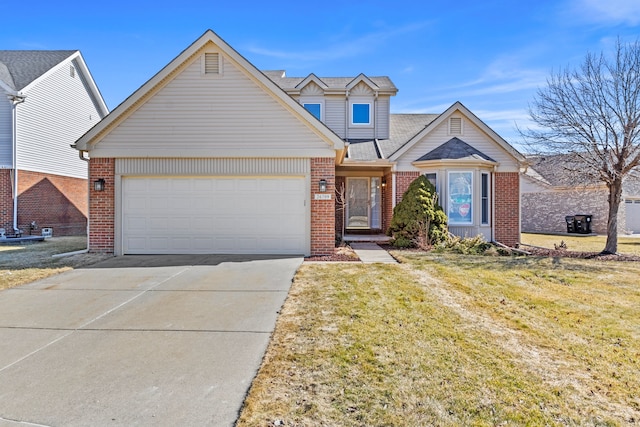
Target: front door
column 363, row 203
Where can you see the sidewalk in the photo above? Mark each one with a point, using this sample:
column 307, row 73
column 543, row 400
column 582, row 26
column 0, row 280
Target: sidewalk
column 371, row 253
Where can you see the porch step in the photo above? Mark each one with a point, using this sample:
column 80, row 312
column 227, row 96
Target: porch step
column 376, row 238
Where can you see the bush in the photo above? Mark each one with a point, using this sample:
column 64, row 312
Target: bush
column 418, row 220
column 467, row 246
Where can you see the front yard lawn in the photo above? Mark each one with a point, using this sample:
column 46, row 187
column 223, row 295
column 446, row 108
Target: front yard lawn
column 453, row 340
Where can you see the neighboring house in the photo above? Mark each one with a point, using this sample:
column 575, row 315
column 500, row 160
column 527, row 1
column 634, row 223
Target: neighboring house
column 48, row 100
column 554, row 188
column 212, row 155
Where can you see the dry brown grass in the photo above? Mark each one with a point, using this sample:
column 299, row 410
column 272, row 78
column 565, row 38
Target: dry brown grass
column 453, row 340
column 24, row 263
column 581, row 243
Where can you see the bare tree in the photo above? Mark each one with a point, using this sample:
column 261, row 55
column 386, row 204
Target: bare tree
column 341, row 205
column 593, row 114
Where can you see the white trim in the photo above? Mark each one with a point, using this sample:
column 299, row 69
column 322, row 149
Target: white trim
column 488, row 175
column 360, row 125
column 472, row 202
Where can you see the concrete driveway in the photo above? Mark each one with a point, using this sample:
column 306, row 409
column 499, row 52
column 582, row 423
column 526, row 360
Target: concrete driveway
column 139, row 340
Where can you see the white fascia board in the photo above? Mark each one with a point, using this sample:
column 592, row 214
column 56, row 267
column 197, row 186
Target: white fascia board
column 126, row 108
column 64, row 62
column 106, row 152
column 362, row 78
column 449, row 163
column 84, row 69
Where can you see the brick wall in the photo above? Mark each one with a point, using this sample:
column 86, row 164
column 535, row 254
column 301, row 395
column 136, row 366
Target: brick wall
column 54, row 201
column 6, row 201
column 507, row 209
column 544, row 212
column 323, row 212
column 403, row 180
column 102, row 206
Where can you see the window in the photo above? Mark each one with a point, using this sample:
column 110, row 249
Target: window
column 484, row 207
column 460, row 208
column 360, row 114
column 315, row 109
column 432, row 178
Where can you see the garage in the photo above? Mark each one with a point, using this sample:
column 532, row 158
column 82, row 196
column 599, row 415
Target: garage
column 632, row 207
column 234, row 215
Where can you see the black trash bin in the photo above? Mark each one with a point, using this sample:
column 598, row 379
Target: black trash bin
column 583, row 224
column 571, row 223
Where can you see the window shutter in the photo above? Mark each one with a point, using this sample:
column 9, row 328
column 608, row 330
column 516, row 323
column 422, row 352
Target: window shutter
column 212, row 63
column 455, row 126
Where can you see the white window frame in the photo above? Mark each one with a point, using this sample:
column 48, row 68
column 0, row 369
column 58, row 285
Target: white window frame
column 488, row 199
column 356, row 102
column 321, row 104
column 471, row 203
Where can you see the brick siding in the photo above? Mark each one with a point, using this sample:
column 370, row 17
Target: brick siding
column 6, row 200
column 102, row 206
column 507, row 208
column 545, row 212
column 53, row 201
column 403, row 180
column 323, row 212
column 387, row 201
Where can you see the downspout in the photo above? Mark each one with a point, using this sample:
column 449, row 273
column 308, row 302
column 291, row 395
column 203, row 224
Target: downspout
column 15, row 100
column 346, row 116
column 375, row 116
column 82, row 157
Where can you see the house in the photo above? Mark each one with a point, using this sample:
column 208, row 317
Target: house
column 212, row 155
column 553, row 187
column 48, row 100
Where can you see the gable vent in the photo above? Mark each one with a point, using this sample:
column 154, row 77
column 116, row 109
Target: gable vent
column 455, row 126
column 212, row 63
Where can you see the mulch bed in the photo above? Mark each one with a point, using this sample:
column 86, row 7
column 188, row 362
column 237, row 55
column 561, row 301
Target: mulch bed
column 340, row 254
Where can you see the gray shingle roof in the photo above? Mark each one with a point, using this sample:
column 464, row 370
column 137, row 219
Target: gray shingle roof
column 337, row 83
column 18, row 68
column 560, row 170
column 403, row 127
column 362, row 150
column 454, row 149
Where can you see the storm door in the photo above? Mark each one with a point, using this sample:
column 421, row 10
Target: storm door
column 363, row 203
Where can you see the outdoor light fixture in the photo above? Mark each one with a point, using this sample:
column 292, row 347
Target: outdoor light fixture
column 322, row 185
column 384, row 183
column 98, row 184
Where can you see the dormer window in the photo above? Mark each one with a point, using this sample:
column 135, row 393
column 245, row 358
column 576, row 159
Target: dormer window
column 361, row 113
column 314, row 108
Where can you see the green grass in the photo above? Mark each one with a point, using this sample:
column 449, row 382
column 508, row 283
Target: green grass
column 454, row 340
column 626, row 245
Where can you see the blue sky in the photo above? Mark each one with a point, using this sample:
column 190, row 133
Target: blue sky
column 490, row 55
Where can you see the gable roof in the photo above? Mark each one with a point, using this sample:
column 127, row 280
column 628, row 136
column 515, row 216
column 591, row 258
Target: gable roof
column 130, row 105
column 333, row 84
column 455, row 149
column 457, row 106
column 19, row 68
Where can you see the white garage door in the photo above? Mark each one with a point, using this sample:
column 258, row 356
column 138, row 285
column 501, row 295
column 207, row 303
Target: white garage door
column 633, row 215
column 214, row 215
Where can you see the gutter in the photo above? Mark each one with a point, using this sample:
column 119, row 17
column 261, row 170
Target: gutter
column 15, row 100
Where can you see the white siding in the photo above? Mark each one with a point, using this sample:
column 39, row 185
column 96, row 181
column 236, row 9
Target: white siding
column 382, row 117
column 6, row 141
column 472, row 135
column 335, row 114
column 56, row 112
column 196, row 116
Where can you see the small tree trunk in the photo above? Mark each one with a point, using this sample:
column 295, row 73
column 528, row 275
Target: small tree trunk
column 615, row 195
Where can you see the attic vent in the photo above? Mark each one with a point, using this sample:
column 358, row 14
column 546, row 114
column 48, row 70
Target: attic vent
column 212, row 63
column 455, row 126
column 72, row 71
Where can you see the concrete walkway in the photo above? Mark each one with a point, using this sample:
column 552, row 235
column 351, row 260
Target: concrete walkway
column 371, row 253
column 135, row 340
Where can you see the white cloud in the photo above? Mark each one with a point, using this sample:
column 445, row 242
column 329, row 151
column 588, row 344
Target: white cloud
column 344, row 48
column 611, row 12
